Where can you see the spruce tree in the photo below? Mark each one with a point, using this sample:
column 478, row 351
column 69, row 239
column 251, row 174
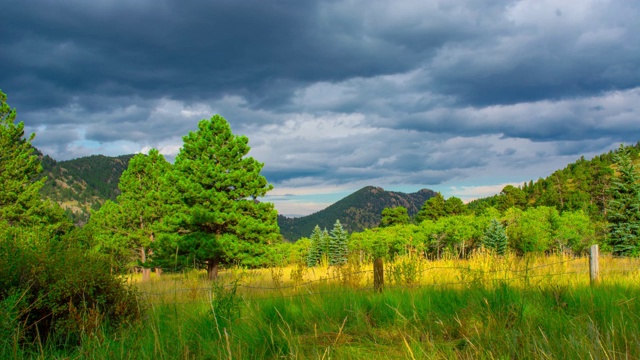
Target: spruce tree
column 218, row 219
column 315, row 250
column 623, row 207
column 495, row 237
column 338, row 248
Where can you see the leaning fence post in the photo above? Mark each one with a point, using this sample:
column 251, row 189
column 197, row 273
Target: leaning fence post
column 594, row 266
column 378, row 275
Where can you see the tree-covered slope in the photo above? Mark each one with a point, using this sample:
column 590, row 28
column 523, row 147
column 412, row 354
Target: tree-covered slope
column 582, row 185
column 82, row 184
column 356, row 212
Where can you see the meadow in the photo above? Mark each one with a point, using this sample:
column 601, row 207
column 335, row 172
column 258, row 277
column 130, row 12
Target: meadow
column 485, row 307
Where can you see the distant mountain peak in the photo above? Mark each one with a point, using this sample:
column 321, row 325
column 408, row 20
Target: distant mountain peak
column 357, row 211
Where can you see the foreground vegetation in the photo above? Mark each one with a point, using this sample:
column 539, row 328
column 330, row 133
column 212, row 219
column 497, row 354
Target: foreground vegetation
column 484, row 307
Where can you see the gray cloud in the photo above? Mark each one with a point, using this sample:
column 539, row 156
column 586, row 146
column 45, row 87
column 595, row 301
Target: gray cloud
column 419, row 93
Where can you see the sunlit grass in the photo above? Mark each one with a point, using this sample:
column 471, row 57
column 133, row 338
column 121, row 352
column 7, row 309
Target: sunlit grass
column 485, row 307
column 481, row 269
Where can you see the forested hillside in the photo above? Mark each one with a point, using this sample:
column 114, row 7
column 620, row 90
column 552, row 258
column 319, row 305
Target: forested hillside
column 82, row 184
column 356, row 212
column 583, row 185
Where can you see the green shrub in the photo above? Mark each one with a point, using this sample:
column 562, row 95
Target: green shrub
column 51, row 291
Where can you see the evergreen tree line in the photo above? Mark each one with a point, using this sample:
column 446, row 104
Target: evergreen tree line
column 333, row 247
column 203, row 211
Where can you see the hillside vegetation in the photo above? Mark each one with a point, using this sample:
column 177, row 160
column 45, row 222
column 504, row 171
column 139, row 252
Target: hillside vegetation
column 83, row 184
column 582, row 185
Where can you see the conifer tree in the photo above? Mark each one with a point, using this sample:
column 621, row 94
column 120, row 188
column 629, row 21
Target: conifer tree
column 495, row 237
column 20, row 203
column 623, row 208
column 394, row 216
column 218, row 219
column 106, row 233
column 145, row 199
column 338, row 247
column 432, row 209
column 315, row 250
column 454, row 206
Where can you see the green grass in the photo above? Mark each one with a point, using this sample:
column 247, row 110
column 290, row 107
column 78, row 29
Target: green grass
column 481, row 308
column 422, row 323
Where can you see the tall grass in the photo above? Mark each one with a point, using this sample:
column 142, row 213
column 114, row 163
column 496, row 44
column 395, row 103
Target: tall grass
column 507, row 307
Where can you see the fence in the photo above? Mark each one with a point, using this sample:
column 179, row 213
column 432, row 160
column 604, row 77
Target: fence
column 407, row 273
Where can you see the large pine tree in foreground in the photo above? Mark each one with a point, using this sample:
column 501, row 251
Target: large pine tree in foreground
column 218, row 219
column 623, row 210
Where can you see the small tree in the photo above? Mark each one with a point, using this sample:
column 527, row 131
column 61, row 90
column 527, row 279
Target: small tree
column 338, row 247
column 432, row 209
column 316, row 248
column 454, row 206
column 394, row 216
column 623, row 208
column 495, row 238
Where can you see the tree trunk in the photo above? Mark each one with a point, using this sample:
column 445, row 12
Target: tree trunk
column 212, row 269
column 158, row 270
column 146, row 273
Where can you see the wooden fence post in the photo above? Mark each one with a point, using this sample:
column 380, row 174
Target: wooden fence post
column 378, row 275
column 594, row 266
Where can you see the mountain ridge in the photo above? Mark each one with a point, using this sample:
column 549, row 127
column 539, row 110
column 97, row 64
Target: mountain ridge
column 357, row 211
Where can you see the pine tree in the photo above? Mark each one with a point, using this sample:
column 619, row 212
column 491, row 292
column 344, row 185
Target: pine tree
column 623, row 208
column 454, row 206
column 392, row 216
column 20, row 203
column 145, row 198
column 218, row 219
column 338, row 248
column 495, row 237
column 432, row 209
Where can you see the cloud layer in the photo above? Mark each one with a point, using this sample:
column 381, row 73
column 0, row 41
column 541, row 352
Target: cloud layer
column 450, row 95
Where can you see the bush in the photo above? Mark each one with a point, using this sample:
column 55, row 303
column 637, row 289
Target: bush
column 51, row 291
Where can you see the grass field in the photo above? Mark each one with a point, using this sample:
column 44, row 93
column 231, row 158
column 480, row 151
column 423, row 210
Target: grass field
column 484, row 307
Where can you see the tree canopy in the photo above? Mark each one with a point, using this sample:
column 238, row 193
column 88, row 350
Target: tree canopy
column 218, row 218
column 394, row 216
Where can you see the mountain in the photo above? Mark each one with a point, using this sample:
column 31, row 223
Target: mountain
column 82, row 184
column 356, row 212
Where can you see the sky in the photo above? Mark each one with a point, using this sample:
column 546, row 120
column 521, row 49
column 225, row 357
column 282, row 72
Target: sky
column 458, row 96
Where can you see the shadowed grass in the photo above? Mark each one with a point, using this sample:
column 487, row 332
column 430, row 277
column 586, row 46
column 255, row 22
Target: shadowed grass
column 425, row 323
column 479, row 309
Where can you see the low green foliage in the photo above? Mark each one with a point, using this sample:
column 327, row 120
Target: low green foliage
column 54, row 293
column 421, row 323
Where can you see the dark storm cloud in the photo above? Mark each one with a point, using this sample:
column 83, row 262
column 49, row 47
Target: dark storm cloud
column 332, row 92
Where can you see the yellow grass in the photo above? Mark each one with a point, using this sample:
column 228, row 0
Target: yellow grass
column 481, row 269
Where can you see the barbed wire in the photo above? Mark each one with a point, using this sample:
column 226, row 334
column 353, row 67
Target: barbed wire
column 210, row 290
